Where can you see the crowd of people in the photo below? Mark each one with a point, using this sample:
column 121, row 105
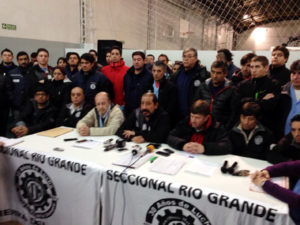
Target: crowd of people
column 251, row 111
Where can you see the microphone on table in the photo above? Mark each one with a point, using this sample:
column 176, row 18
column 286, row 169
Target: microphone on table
column 149, row 149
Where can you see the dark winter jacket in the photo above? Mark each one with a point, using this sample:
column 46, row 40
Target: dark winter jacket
column 59, row 92
column 36, row 119
column 38, row 76
column 281, row 74
column 255, row 145
column 215, row 139
column 155, row 130
column 134, row 86
column 222, row 104
column 286, row 150
column 92, row 83
column 257, row 89
column 70, row 74
column 65, row 118
column 199, row 75
column 21, row 86
column 167, row 97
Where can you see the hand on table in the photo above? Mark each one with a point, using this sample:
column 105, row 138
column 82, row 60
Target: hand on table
column 128, row 133
column 194, row 148
column 259, row 177
column 20, row 131
column 138, row 139
column 84, row 130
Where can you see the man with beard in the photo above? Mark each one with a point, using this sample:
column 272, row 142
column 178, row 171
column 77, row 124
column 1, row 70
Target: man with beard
column 72, row 64
column 244, row 73
column 38, row 115
column 20, row 79
column 147, row 123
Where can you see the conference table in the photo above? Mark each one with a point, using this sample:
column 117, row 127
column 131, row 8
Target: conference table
column 45, row 180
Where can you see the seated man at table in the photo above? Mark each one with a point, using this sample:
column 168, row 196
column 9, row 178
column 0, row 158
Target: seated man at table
column 104, row 119
column 38, row 114
column 72, row 112
column 199, row 133
column 288, row 148
column 147, row 123
column 249, row 137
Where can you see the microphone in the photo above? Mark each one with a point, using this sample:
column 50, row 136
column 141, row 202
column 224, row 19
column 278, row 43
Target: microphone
column 149, row 149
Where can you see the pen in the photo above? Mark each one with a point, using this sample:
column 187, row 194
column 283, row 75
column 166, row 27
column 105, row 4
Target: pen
column 70, row 139
column 80, row 141
column 153, row 158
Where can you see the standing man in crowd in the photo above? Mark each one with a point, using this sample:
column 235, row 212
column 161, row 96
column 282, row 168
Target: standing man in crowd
column 188, row 79
column 149, row 61
column 199, row 133
column 165, row 59
column 20, row 78
column 217, row 91
column 278, row 70
column 226, row 56
column 147, row 123
column 245, row 72
column 165, row 90
column 91, row 80
column 135, row 81
column 97, row 65
column 104, row 119
column 72, row 64
column 261, row 89
column 115, row 72
column 6, row 87
column 41, row 72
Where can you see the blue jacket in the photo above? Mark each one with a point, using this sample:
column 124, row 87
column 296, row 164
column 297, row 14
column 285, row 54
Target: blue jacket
column 21, row 87
column 92, row 84
column 134, row 86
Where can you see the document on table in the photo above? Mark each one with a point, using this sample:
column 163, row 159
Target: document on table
column 281, row 181
column 201, row 167
column 88, row 144
column 55, row 132
column 168, row 166
column 131, row 161
column 10, row 141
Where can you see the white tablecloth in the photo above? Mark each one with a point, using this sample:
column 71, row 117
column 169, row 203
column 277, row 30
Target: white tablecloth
column 67, row 188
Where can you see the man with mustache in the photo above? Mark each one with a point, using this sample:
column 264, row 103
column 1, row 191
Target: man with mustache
column 147, row 123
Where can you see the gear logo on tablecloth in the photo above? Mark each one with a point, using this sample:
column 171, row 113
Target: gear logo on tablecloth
column 171, row 211
column 36, row 190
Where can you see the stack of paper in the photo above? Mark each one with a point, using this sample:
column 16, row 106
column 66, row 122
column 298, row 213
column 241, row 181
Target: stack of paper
column 168, row 166
column 88, row 144
column 201, row 167
column 132, row 161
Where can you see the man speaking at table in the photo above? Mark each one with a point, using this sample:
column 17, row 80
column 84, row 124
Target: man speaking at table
column 200, row 133
column 147, row 123
column 104, row 119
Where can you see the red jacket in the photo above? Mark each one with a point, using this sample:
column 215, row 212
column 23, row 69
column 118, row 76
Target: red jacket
column 115, row 72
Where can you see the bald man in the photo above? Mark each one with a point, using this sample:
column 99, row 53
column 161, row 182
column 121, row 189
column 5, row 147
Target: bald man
column 71, row 113
column 102, row 120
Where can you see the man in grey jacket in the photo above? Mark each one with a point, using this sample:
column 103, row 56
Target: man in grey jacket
column 104, row 119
